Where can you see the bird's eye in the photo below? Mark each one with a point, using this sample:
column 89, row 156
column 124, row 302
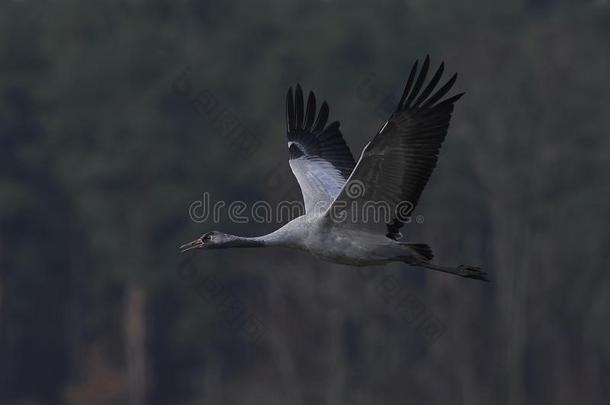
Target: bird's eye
column 207, row 238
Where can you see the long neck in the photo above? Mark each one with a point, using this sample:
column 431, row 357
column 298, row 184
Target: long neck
column 284, row 236
column 240, row 241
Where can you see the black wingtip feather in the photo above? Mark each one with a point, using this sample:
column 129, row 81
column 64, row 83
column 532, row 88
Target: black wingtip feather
column 310, row 137
column 451, row 100
column 412, row 98
column 440, row 93
column 420, row 81
column 407, row 89
column 331, row 128
column 298, row 106
column 289, row 110
column 322, row 118
column 310, row 112
column 433, row 82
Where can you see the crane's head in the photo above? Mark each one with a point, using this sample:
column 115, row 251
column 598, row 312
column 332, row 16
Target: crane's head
column 210, row 240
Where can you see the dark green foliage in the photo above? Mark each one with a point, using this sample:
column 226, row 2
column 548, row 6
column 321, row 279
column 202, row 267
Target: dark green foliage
column 116, row 115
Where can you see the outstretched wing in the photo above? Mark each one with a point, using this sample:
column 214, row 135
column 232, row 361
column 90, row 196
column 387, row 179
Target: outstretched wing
column 396, row 165
column 318, row 156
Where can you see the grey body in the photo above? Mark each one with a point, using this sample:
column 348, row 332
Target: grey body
column 316, row 234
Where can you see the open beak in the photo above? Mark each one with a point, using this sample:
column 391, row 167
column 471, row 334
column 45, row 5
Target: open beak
column 196, row 244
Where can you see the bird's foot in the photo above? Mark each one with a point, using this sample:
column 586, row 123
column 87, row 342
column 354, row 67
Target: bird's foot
column 472, row 272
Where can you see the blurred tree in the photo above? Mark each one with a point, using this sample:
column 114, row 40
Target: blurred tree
column 115, row 115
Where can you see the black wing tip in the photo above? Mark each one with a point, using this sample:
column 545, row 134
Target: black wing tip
column 333, row 126
column 458, row 96
column 310, row 136
column 451, row 100
column 426, row 61
column 301, row 116
column 414, row 97
column 290, row 120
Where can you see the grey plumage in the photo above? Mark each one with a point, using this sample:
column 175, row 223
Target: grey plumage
column 393, row 170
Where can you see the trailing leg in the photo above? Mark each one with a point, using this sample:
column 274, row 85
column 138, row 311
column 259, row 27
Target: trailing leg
column 461, row 270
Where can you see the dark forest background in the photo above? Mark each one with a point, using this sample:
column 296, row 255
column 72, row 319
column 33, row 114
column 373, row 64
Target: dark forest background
column 116, row 115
